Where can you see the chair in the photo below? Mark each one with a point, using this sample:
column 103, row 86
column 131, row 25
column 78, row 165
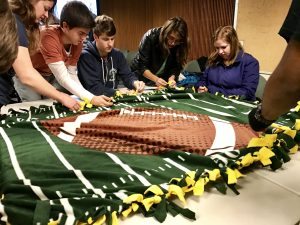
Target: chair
column 261, row 85
column 192, row 66
column 125, row 52
column 130, row 56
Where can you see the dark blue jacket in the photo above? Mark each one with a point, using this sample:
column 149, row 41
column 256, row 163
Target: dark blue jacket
column 241, row 78
column 101, row 77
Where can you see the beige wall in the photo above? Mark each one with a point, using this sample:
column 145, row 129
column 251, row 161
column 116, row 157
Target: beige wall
column 258, row 23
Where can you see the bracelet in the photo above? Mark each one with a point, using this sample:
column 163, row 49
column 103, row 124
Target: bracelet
column 257, row 121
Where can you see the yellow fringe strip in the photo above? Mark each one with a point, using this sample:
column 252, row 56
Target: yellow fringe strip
column 267, row 141
column 263, row 155
column 85, row 103
column 176, row 190
column 100, row 221
column 297, row 107
column 155, row 189
column 297, row 124
column 148, row 202
column 114, row 218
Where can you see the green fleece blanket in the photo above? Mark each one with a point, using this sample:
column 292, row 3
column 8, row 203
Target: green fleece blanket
column 48, row 180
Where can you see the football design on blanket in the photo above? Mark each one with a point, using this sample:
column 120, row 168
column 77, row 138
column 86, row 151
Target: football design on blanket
column 52, row 174
column 151, row 131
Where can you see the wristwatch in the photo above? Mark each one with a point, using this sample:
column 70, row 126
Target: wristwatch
column 257, row 121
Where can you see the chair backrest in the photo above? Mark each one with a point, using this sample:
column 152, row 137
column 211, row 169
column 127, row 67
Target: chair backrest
column 125, row 52
column 130, row 56
column 261, row 85
column 192, row 66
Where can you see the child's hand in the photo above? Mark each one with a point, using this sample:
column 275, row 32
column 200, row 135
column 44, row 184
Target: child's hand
column 202, row 89
column 69, row 102
column 123, row 91
column 160, row 82
column 101, row 100
column 139, row 85
column 171, row 81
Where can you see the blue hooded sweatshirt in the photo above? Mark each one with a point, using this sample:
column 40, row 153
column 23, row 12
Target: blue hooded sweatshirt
column 101, row 76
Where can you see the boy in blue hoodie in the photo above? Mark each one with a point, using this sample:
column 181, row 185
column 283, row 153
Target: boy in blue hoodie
column 100, row 64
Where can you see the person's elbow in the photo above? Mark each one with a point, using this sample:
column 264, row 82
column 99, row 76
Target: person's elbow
column 25, row 76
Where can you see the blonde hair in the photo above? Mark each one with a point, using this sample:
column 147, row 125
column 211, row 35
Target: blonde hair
column 8, row 37
column 228, row 34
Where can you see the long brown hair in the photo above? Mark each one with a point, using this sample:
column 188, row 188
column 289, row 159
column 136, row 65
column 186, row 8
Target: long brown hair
column 25, row 10
column 8, row 37
column 177, row 25
column 228, row 34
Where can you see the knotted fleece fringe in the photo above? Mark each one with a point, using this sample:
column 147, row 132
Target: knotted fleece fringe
column 270, row 149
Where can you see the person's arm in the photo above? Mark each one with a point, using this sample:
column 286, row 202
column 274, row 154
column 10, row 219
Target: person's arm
column 129, row 79
column 124, row 71
column 30, row 77
column 172, row 81
column 139, row 85
column 203, row 81
column 282, row 90
column 144, row 54
column 69, row 80
column 175, row 68
column 90, row 75
column 157, row 80
column 250, row 78
column 145, row 59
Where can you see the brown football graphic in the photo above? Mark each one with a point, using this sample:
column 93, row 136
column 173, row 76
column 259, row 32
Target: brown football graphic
column 151, row 131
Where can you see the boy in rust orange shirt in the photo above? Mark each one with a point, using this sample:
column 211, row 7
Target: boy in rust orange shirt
column 59, row 51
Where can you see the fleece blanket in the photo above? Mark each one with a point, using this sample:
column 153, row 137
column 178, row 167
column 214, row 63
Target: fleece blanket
column 100, row 164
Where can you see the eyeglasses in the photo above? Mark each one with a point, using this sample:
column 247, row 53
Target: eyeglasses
column 174, row 40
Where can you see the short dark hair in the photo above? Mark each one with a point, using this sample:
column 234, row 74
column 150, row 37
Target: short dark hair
column 8, row 36
column 77, row 14
column 104, row 25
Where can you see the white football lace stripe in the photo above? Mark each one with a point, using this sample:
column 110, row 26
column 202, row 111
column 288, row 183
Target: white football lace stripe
column 153, row 113
column 69, row 211
column 177, row 165
column 65, row 162
column 14, row 161
column 224, row 138
column 128, row 169
column 70, row 127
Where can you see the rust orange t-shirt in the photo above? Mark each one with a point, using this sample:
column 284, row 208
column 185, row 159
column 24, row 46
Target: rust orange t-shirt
column 52, row 50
